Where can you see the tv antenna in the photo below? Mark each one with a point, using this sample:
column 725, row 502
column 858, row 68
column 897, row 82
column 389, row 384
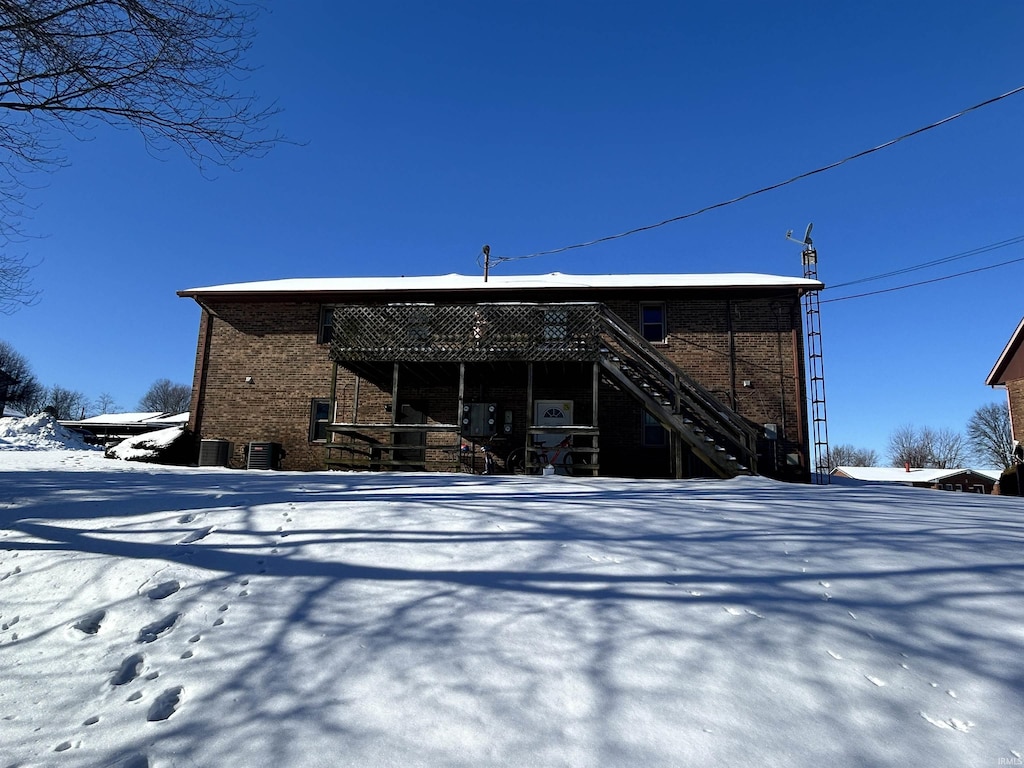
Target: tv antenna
column 810, row 255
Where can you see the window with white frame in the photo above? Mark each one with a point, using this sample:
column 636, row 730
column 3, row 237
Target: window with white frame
column 556, row 324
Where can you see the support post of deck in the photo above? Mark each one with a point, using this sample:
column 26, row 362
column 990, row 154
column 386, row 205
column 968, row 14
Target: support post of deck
column 459, row 414
column 595, row 457
column 529, row 414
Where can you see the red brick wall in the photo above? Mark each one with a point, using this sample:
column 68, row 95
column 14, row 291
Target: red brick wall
column 275, row 343
column 1015, row 395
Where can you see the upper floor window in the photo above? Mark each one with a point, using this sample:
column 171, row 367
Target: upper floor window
column 652, row 321
column 326, row 324
column 556, row 324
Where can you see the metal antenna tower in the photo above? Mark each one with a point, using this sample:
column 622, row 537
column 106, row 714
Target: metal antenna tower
column 815, row 364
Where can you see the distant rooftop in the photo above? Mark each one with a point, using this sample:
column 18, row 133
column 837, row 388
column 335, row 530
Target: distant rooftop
column 456, row 282
column 912, row 475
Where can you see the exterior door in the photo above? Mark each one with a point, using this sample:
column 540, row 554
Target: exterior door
column 551, row 413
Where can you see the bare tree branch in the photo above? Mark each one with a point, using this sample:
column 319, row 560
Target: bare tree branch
column 170, row 69
column 989, row 435
column 927, row 447
column 166, row 396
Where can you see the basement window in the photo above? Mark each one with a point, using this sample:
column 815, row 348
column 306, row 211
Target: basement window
column 652, row 321
column 319, row 418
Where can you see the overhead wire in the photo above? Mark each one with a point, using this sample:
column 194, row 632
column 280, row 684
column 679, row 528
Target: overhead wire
column 924, row 282
column 863, row 153
column 937, row 262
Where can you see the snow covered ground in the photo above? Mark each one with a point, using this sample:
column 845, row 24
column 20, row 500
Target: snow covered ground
column 168, row 616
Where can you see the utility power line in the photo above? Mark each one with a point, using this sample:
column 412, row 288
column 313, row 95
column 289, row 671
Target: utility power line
column 963, row 255
column 924, row 282
column 864, row 153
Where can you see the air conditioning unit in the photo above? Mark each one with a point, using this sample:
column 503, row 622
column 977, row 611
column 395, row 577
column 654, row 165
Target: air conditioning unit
column 214, row 453
column 263, row 456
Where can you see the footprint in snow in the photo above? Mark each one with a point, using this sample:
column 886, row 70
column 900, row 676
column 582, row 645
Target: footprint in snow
column 63, row 746
column 166, row 704
column 875, row 681
column 90, row 623
column 129, row 670
column 952, row 723
column 197, row 534
column 163, row 590
column 91, row 720
column 185, row 519
column 10, row 623
column 151, row 632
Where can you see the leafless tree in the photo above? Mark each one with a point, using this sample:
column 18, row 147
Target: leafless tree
column 907, row 447
column 104, row 404
column 16, row 289
column 65, row 403
column 989, row 435
column 949, row 449
column 927, row 447
column 167, row 68
column 166, row 396
column 26, row 390
column 847, row 455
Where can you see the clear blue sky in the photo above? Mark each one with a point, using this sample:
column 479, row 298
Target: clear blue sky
column 429, row 129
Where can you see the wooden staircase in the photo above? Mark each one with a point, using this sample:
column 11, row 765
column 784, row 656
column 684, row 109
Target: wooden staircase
column 715, row 433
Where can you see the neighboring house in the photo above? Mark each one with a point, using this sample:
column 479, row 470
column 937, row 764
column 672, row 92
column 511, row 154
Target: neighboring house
column 112, row 428
column 651, row 375
column 968, row 480
column 6, row 382
column 1008, row 372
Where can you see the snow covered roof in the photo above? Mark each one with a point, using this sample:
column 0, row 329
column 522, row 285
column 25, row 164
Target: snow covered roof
column 121, row 418
column 172, row 418
column 913, row 475
column 112, row 421
column 456, row 282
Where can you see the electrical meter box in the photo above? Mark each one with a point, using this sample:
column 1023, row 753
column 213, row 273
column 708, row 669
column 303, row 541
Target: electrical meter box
column 479, row 419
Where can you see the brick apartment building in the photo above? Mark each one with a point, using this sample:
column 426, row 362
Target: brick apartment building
column 647, row 375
